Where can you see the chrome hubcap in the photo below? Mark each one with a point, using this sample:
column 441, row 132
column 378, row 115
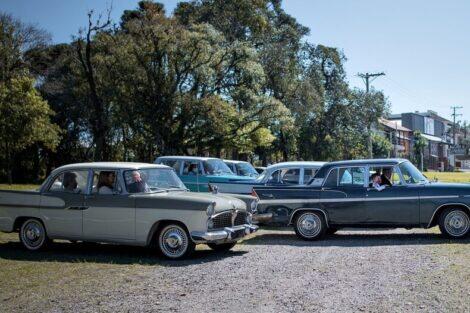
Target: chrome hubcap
column 173, row 241
column 457, row 223
column 33, row 234
column 309, row 225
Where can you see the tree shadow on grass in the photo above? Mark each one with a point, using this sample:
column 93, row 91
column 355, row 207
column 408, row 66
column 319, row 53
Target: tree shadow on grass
column 107, row 254
column 354, row 239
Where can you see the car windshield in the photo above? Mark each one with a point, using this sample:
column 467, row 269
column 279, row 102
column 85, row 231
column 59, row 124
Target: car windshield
column 411, row 174
column 246, row 169
column 216, row 167
column 152, row 180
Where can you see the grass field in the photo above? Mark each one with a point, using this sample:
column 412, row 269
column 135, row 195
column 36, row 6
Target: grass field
column 449, row 177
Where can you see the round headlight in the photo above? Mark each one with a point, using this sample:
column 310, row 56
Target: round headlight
column 211, row 209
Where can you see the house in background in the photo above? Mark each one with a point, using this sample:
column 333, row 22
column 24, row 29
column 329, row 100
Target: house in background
column 399, row 136
column 435, row 129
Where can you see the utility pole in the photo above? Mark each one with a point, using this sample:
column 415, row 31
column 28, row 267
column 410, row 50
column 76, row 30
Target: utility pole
column 454, row 115
column 368, row 78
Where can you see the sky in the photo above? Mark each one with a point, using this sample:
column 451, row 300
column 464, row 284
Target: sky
column 423, row 46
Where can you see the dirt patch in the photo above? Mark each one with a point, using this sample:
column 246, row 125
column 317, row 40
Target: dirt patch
column 371, row 271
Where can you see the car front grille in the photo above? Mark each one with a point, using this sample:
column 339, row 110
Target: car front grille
column 240, row 219
column 228, row 219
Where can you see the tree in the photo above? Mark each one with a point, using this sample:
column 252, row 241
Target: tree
column 16, row 38
column 24, row 120
column 370, row 106
column 381, row 146
column 100, row 124
column 419, row 144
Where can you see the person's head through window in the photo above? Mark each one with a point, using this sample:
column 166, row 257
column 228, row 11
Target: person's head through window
column 106, row 181
column 192, row 169
column 137, row 184
column 70, row 181
column 136, row 178
column 375, row 179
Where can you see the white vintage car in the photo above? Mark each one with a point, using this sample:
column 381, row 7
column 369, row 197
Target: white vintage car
column 127, row 203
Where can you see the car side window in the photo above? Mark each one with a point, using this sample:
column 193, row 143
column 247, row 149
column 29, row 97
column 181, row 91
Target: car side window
column 332, row 179
column 175, row 164
column 291, row 176
column 396, row 180
column 388, row 175
column 351, row 176
column 191, row 168
column 105, row 183
column 308, row 174
column 70, row 181
column 285, row 176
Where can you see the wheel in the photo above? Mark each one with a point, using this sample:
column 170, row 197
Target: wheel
column 33, row 235
column 174, row 242
column 310, row 225
column 454, row 223
column 331, row 230
column 223, row 247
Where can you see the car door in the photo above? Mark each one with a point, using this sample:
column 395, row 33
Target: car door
column 343, row 195
column 190, row 174
column 395, row 205
column 109, row 216
column 62, row 204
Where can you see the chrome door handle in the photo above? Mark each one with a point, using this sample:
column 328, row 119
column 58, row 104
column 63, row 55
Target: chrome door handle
column 268, row 195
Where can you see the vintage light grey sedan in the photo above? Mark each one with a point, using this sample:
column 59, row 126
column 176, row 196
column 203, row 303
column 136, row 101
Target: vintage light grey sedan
column 126, row 203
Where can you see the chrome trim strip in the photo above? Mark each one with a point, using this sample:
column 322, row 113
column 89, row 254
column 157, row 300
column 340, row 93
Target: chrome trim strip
column 435, row 211
column 309, row 209
column 353, row 199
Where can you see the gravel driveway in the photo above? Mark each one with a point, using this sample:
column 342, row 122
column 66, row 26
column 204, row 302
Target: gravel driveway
column 273, row 271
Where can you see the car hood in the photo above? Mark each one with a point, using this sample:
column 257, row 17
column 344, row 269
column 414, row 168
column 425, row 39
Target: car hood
column 191, row 200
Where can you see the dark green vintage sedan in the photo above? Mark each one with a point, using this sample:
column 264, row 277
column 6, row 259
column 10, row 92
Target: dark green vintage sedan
column 376, row 193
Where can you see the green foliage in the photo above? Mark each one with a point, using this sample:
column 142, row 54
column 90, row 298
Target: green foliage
column 381, row 146
column 24, row 119
column 219, row 77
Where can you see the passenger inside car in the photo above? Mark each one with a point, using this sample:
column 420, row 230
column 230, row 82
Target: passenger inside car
column 106, row 182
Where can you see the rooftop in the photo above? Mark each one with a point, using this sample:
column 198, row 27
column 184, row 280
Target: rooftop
column 393, row 125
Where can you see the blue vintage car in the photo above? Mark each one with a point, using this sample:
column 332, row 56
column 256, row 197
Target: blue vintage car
column 242, row 168
column 376, row 193
column 198, row 172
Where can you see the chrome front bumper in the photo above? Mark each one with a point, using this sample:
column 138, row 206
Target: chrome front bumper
column 226, row 234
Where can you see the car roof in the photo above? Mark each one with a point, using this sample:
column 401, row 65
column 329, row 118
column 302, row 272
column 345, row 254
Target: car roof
column 110, row 165
column 296, row 163
column 367, row 161
column 324, row 170
column 181, row 157
column 235, row 161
